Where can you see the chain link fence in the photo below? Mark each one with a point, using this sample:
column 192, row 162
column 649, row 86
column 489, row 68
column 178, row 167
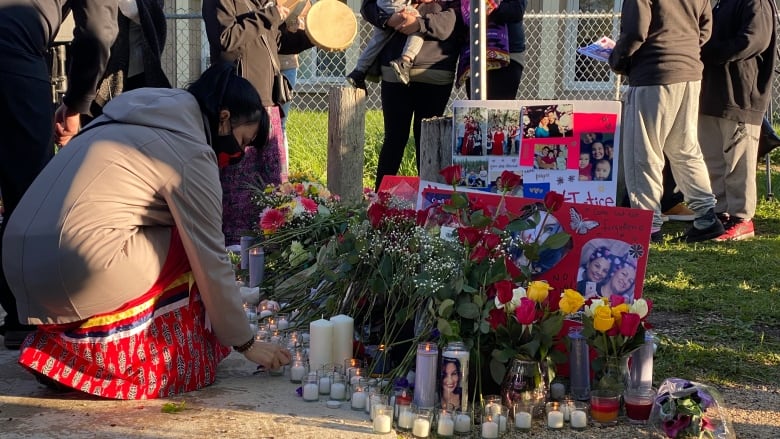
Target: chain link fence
column 553, row 69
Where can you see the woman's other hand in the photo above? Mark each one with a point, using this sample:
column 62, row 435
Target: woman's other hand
column 269, row 355
column 409, row 25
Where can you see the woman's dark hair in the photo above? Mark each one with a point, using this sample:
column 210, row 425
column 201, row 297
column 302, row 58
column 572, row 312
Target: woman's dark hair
column 456, row 362
column 220, row 88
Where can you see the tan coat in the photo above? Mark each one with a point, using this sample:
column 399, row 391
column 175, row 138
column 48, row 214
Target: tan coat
column 93, row 230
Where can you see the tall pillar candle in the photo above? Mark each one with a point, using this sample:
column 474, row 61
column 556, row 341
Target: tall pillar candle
column 246, row 242
column 425, row 375
column 455, row 372
column 320, row 343
column 343, row 336
column 641, row 371
column 579, row 366
column 256, row 266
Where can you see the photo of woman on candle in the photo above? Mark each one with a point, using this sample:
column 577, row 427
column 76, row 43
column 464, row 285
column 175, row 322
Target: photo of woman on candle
column 451, row 389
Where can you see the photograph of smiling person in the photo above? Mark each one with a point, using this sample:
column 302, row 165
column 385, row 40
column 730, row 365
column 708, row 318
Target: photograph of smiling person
column 451, row 389
column 605, row 268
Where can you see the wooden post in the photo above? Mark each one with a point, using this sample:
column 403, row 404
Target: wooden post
column 435, row 147
column 346, row 140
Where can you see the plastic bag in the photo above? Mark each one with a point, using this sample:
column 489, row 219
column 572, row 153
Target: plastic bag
column 687, row 409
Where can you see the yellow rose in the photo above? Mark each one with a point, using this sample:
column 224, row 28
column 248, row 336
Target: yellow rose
column 617, row 312
column 602, row 319
column 538, row 290
column 571, row 301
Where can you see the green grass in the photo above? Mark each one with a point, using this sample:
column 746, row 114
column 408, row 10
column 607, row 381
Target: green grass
column 717, row 305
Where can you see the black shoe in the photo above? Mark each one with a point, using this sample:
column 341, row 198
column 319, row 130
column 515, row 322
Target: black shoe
column 713, row 231
column 50, row 383
column 657, row 237
column 767, row 140
column 14, row 338
column 725, row 219
column 357, row 79
column 402, row 69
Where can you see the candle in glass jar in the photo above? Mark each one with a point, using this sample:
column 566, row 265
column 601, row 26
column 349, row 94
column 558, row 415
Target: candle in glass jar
column 338, row 391
column 426, row 375
column 383, row 423
column 421, row 428
column 296, row 373
column 462, row 423
column 325, row 385
column 578, row 419
column 359, row 400
column 489, row 430
column 501, row 423
column 256, row 266
column 283, row 323
column 446, row 426
column 405, row 419
column 555, row 419
column 523, row 420
column 311, row 392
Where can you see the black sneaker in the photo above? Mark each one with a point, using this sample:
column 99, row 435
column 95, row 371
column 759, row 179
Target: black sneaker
column 657, row 237
column 724, row 218
column 711, row 232
column 14, row 338
column 357, row 79
column 402, row 69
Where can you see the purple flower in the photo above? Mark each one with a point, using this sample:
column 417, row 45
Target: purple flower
column 401, row 382
column 299, row 391
column 675, row 426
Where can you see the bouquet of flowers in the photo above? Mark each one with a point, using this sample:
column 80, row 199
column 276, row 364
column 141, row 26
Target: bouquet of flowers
column 687, row 409
column 615, row 329
column 496, row 307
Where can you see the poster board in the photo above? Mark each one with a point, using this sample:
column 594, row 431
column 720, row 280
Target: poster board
column 570, row 147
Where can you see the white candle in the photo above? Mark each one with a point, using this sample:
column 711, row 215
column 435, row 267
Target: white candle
column 382, row 423
column 501, row 423
column 579, row 419
column 523, row 420
column 283, row 324
column 421, row 428
column 359, row 400
column 489, row 430
column 338, row 391
column 343, row 336
column 311, row 392
column 296, row 373
column 555, row 419
column 354, row 380
column 446, row 427
column 566, row 412
column 426, row 375
column 324, row 385
column 320, row 342
column 405, row 419
column 462, row 423
column 266, row 313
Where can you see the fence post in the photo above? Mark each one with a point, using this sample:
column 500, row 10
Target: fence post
column 346, row 140
column 435, row 147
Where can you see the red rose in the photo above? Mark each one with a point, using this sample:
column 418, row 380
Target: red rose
column 629, row 324
column 554, row 300
column 512, row 269
column 508, row 181
column 376, row 212
column 452, row 174
column 479, row 254
column 553, row 201
column 616, row 299
column 504, row 290
column 469, row 236
column 525, row 313
column 501, row 222
column 496, row 318
column 491, row 240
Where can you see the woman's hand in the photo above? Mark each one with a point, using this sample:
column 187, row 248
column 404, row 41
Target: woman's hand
column 269, row 355
column 409, row 25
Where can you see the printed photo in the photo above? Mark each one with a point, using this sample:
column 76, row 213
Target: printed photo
column 470, row 128
column 607, row 267
column 544, row 121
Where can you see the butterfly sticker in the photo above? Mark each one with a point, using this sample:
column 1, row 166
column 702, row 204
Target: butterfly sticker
column 579, row 224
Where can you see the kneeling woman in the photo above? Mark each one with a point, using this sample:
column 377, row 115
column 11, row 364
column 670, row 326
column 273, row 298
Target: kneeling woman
column 116, row 251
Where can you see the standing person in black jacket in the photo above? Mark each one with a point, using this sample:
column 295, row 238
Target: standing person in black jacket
column 27, row 29
column 739, row 63
column 659, row 50
column 430, row 80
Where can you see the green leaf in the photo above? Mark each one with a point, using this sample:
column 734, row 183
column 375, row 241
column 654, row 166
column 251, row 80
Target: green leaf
column 172, row 407
column 556, row 241
column 444, row 328
column 497, row 370
column 469, row 311
column 445, row 308
column 478, row 219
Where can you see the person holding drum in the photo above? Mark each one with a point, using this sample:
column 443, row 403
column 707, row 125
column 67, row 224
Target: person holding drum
column 251, row 34
column 403, row 65
column 430, row 79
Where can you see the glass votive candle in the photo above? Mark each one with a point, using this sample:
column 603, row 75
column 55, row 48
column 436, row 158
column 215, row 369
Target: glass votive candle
column 524, row 415
column 298, row 369
column 401, row 398
column 405, row 416
column 383, row 418
column 462, row 423
column 553, row 415
column 578, row 415
column 311, row 387
column 355, row 374
column 338, row 387
column 445, row 423
column 604, row 407
column 490, row 428
column 282, row 321
column 638, row 404
column 325, row 377
column 264, row 311
column 421, row 427
column 376, row 399
column 359, row 395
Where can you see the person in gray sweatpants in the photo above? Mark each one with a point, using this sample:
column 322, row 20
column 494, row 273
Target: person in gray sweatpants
column 658, row 49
